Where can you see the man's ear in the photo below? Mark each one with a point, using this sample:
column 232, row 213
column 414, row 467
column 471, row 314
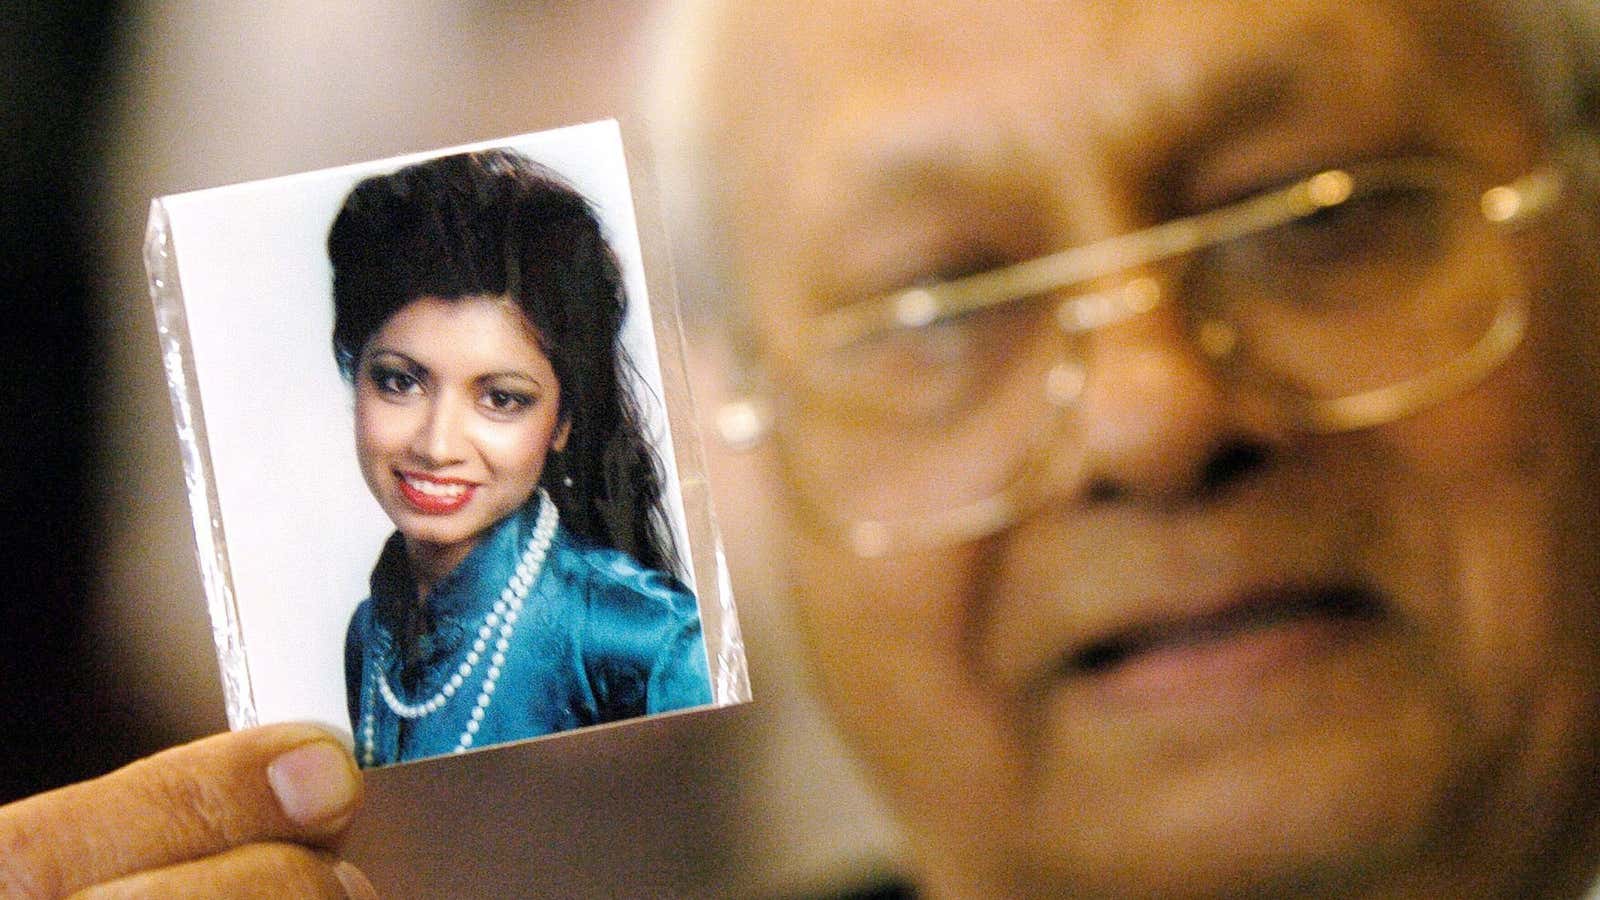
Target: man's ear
column 558, row 441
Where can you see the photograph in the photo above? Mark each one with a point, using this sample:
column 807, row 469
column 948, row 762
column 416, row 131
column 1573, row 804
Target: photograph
column 428, row 449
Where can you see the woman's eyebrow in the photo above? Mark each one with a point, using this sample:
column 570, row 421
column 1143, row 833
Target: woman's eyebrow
column 511, row 373
column 411, row 366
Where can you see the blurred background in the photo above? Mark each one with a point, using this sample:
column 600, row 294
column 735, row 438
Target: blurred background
column 105, row 646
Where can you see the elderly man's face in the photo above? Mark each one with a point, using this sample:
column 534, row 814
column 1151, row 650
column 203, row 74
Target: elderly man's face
column 1246, row 724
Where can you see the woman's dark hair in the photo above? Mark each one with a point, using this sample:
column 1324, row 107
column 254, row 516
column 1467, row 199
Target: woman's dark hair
column 495, row 224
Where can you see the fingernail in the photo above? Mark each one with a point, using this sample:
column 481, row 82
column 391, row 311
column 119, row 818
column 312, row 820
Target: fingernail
column 356, row 886
column 314, row 782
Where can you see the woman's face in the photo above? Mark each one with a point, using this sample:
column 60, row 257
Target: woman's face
column 456, row 409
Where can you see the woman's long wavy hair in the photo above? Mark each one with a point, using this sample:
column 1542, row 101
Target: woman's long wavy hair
column 493, row 223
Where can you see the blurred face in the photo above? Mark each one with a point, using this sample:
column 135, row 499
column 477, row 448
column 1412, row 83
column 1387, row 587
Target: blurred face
column 456, row 409
column 1224, row 656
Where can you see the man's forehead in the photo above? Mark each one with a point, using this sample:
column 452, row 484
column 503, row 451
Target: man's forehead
column 836, row 89
column 806, row 65
column 833, row 36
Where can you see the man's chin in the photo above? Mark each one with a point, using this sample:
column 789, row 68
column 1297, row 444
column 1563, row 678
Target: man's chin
column 1336, row 763
column 1316, row 804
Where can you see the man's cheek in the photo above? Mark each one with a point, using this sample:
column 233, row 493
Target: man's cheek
column 890, row 635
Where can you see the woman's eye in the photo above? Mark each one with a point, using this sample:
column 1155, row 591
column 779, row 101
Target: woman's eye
column 505, row 401
column 394, row 381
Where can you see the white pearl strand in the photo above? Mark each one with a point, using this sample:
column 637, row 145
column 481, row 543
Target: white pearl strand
column 503, row 617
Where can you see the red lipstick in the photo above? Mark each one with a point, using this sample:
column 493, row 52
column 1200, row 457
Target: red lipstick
column 434, row 496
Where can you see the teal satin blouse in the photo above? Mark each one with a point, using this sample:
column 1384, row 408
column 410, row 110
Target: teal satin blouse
column 598, row 639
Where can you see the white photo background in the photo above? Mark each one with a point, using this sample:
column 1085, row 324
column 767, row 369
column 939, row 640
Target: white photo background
column 302, row 531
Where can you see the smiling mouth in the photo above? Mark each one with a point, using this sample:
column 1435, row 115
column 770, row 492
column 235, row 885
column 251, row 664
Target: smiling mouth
column 435, row 496
column 1284, row 610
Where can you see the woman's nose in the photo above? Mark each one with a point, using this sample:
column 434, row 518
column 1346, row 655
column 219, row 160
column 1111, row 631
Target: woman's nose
column 1156, row 419
column 439, row 439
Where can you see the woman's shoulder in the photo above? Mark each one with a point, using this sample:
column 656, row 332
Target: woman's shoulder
column 640, row 631
column 612, row 576
column 361, row 617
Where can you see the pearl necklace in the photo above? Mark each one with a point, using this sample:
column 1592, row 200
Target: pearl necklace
column 502, row 618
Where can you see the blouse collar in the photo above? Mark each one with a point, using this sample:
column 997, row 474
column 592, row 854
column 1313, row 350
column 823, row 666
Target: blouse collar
column 460, row 599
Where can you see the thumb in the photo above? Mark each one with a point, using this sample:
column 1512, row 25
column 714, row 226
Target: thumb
column 292, row 783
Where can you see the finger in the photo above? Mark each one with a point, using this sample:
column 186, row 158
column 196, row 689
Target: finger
column 281, row 782
column 256, row 870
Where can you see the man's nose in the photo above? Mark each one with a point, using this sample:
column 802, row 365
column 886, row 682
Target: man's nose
column 1157, row 420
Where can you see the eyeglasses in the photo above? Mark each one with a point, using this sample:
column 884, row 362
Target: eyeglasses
column 1349, row 298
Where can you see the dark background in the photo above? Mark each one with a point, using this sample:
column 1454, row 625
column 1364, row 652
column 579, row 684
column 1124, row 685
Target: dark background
column 56, row 723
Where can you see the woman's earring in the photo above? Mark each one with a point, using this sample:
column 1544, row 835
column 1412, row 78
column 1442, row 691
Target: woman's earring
column 558, row 461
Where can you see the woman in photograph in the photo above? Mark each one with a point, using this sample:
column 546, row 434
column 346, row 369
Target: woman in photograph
column 528, row 587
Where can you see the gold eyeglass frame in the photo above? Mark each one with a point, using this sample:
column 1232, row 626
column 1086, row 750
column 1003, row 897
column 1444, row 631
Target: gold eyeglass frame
column 744, row 422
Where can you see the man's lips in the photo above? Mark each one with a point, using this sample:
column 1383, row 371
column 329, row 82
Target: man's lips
column 1225, row 649
column 434, row 496
column 1256, row 613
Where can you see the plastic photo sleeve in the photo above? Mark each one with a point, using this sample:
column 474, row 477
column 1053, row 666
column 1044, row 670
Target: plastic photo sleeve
column 417, row 445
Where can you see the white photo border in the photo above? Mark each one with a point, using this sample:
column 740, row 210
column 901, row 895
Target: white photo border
column 286, row 529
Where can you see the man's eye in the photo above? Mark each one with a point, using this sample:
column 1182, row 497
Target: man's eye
column 1378, row 227
column 1380, row 242
column 1379, row 224
column 933, row 372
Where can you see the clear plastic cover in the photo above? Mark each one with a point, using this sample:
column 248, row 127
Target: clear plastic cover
column 285, row 529
column 210, row 543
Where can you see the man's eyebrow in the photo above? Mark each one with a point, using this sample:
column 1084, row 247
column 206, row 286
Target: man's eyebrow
column 1208, row 113
column 905, row 167
column 1215, row 115
column 1187, row 125
column 1239, row 101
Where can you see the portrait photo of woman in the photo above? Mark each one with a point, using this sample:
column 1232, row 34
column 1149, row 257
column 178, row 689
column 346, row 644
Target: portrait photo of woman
column 532, row 582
